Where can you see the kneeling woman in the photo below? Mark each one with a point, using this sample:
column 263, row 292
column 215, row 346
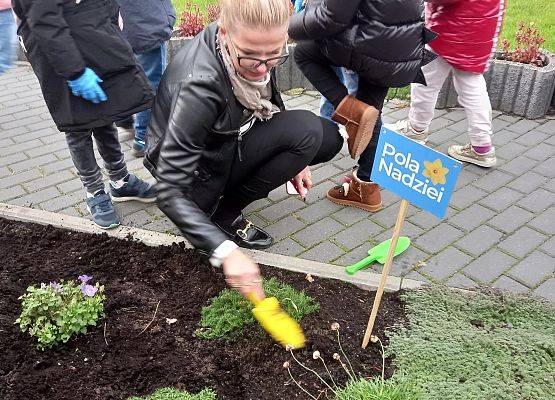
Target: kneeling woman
column 219, row 137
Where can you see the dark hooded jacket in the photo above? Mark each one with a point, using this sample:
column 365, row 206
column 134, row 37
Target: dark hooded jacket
column 382, row 40
column 62, row 38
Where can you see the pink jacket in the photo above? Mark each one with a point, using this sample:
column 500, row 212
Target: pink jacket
column 5, row 4
column 468, row 31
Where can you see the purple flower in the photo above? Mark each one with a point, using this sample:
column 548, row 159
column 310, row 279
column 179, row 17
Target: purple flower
column 89, row 290
column 84, row 278
column 56, row 287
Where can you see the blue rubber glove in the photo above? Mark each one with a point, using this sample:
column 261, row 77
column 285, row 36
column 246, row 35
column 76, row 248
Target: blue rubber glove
column 298, row 5
column 87, row 86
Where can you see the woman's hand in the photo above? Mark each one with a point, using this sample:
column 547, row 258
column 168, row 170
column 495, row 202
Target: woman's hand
column 243, row 274
column 303, row 182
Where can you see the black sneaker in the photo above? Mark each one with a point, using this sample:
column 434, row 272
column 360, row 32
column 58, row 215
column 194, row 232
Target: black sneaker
column 138, row 149
column 134, row 189
column 245, row 234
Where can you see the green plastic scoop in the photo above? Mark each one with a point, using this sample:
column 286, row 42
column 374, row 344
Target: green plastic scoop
column 379, row 254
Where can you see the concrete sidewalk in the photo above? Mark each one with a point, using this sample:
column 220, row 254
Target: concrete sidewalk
column 499, row 230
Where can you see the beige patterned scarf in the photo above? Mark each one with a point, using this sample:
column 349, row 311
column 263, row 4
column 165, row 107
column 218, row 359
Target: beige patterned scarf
column 254, row 96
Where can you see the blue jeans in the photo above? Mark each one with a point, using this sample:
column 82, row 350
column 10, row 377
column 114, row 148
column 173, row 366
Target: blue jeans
column 8, row 40
column 349, row 79
column 154, row 63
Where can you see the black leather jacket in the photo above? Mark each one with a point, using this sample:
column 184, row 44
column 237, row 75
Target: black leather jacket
column 193, row 138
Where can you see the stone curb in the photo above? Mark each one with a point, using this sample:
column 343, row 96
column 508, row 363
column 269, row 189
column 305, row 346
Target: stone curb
column 364, row 279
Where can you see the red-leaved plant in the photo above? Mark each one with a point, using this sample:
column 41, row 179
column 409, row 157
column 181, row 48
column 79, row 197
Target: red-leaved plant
column 193, row 20
column 527, row 51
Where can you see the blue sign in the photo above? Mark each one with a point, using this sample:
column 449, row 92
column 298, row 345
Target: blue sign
column 420, row 175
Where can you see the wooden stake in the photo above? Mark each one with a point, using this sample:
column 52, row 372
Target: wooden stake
column 396, row 233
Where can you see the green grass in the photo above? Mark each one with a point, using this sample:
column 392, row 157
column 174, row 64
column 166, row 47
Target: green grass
column 482, row 346
column 229, row 313
column 174, row 394
column 376, row 389
column 541, row 12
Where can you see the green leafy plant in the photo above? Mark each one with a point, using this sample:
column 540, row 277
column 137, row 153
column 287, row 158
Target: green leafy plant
column 55, row 312
column 378, row 389
column 485, row 345
column 229, row 313
column 174, row 394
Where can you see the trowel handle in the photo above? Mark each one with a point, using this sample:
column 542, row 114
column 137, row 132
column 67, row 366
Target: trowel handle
column 352, row 269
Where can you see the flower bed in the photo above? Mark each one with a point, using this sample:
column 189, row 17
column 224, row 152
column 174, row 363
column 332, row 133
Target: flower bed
column 154, row 298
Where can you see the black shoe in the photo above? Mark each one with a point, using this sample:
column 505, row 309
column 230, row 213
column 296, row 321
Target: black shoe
column 246, row 234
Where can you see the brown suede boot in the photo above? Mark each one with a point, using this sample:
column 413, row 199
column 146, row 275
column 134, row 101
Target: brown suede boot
column 359, row 119
column 357, row 193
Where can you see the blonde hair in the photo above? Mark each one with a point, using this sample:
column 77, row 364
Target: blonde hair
column 264, row 14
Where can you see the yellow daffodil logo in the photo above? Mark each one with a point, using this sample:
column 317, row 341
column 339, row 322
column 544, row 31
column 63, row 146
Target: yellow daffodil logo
column 435, row 171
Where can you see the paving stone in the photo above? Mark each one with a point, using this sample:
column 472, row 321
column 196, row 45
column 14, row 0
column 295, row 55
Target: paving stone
column 63, row 201
column 509, row 118
column 510, row 285
column 546, row 168
column 17, row 123
column 281, row 209
column 519, row 164
column 45, row 149
column 466, row 196
column 439, row 237
column 32, row 163
column 257, row 205
column 549, row 247
column 48, row 180
column 528, row 182
column 503, row 137
column 455, row 115
column 319, row 192
column 4, row 171
column 471, row 217
column 480, row 240
column 445, row 264
column 510, row 150
column 522, row 126
column 16, row 179
column 350, row 215
column 11, row 193
column 389, row 198
column 547, row 127
column 461, row 282
column 317, row 232
column 39, row 134
column 11, row 159
column 70, row 186
column 137, row 219
column 493, row 180
column 287, row 247
column 546, row 290
column 424, row 220
column 545, row 222
column 12, row 148
column 404, row 264
column 354, row 255
column 501, row 199
column 129, row 207
column 533, row 269
column 160, row 225
column 324, row 252
column 345, row 163
column 357, row 234
column 511, row 219
column 318, row 210
column 541, row 152
column 538, row 200
column 522, row 242
column 71, row 211
column 57, row 166
column 35, row 198
column 284, row 227
column 409, row 229
column 531, row 138
column 325, row 172
column 258, row 221
column 489, row 266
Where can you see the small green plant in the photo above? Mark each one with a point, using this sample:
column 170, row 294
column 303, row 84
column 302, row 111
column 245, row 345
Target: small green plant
column 174, row 394
column 229, row 313
column 55, row 312
column 377, row 389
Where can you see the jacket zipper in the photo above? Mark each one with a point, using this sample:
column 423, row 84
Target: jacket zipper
column 239, row 141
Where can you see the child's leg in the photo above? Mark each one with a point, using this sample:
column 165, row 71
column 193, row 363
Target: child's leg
column 82, row 153
column 350, row 80
column 473, row 96
column 8, row 41
column 424, row 97
column 107, row 141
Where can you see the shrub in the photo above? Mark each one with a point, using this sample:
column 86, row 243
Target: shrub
column 193, row 20
column 174, row 394
column 527, row 51
column 229, row 312
column 54, row 313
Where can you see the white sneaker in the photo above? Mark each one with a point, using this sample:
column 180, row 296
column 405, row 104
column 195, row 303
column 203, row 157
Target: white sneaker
column 404, row 128
column 466, row 153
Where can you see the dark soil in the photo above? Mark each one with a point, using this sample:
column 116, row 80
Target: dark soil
column 136, row 278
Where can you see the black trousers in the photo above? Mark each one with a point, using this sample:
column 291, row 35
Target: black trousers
column 273, row 152
column 316, row 66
